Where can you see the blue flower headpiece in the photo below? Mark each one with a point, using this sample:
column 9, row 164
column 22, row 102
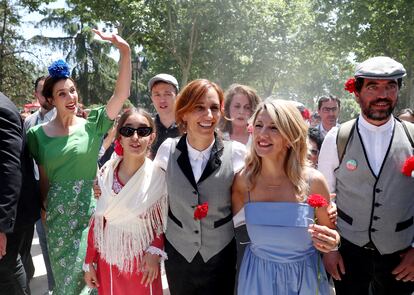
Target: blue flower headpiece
column 59, row 69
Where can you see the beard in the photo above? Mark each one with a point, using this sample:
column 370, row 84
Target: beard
column 378, row 115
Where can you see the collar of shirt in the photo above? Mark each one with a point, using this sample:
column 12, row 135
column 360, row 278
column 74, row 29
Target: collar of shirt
column 323, row 131
column 46, row 118
column 372, row 128
column 195, row 155
column 198, row 159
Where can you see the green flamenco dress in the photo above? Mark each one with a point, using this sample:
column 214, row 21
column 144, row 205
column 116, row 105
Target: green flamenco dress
column 70, row 163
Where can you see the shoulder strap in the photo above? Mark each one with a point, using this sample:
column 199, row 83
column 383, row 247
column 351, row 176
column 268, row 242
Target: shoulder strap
column 342, row 138
column 409, row 131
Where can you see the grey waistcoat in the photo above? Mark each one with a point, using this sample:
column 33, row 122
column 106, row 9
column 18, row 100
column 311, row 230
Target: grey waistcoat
column 211, row 234
column 377, row 209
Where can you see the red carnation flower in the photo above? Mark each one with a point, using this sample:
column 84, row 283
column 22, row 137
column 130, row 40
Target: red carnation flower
column 408, row 167
column 201, row 211
column 306, row 114
column 250, row 128
column 350, row 85
column 119, row 150
column 317, row 201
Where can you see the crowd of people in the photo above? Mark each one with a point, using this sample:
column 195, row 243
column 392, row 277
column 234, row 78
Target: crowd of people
column 234, row 194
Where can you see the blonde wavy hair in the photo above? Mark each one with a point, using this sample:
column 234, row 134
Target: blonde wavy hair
column 294, row 131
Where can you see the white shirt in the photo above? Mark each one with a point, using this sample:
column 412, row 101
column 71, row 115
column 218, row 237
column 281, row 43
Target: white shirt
column 199, row 159
column 376, row 140
column 323, row 131
column 36, row 118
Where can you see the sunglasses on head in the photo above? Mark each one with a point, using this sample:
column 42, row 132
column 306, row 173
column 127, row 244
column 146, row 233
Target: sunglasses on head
column 141, row 131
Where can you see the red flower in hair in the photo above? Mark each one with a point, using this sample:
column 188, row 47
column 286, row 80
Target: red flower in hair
column 306, row 114
column 317, row 201
column 408, row 167
column 119, row 150
column 250, row 128
column 201, row 211
column 350, row 85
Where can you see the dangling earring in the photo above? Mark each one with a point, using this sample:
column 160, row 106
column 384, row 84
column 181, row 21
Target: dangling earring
column 119, row 150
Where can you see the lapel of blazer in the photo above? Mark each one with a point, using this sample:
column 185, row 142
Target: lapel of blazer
column 214, row 162
column 184, row 162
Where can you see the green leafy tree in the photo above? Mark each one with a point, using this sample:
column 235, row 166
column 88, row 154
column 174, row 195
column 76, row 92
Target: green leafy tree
column 16, row 73
column 92, row 69
column 371, row 28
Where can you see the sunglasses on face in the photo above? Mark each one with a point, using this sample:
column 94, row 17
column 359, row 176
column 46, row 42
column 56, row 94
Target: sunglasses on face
column 141, row 131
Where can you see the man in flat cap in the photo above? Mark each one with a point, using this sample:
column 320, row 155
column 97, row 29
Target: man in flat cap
column 164, row 90
column 362, row 162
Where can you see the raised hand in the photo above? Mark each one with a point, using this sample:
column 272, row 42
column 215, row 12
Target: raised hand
column 115, row 39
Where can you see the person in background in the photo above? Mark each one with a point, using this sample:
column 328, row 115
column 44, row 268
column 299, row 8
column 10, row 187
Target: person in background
column 315, row 120
column 328, row 109
column 315, row 143
column 374, row 198
column 44, row 114
column 273, row 187
column 66, row 151
column 164, row 90
column 406, row 115
column 125, row 239
column 199, row 169
column 240, row 103
column 19, row 200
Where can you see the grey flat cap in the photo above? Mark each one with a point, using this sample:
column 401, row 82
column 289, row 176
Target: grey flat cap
column 163, row 78
column 380, row 67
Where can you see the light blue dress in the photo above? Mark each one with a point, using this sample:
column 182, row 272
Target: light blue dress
column 281, row 258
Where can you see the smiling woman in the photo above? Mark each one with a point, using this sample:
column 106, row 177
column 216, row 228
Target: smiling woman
column 66, row 150
column 124, row 241
column 199, row 169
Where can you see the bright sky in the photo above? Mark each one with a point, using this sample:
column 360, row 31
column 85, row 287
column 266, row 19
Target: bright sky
column 42, row 56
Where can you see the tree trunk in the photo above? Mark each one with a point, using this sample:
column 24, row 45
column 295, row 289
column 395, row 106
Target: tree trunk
column 2, row 41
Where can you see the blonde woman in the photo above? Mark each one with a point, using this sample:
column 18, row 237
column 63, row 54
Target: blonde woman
column 282, row 257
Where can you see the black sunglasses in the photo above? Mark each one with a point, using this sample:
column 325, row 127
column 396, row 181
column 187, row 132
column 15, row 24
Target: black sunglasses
column 141, row 131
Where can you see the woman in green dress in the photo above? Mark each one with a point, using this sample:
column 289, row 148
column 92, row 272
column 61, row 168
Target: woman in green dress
column 66, row 150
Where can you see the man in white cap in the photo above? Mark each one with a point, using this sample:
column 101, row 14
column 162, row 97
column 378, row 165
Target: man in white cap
column 164, row 90
column 362, row 162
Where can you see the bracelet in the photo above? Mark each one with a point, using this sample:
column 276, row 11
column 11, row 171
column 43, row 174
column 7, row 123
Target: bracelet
column 157, row 251
column 337, row 247
column 86, row 266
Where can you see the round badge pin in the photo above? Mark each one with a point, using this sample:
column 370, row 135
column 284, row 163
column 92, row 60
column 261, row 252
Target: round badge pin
column 351, row 165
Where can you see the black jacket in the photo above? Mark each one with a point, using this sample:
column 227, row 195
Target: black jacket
column 19, row 191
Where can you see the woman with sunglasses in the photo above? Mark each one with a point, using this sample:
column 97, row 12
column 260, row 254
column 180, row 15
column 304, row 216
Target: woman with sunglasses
column 66, row 150
column 125, row 239
column 199, row 169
